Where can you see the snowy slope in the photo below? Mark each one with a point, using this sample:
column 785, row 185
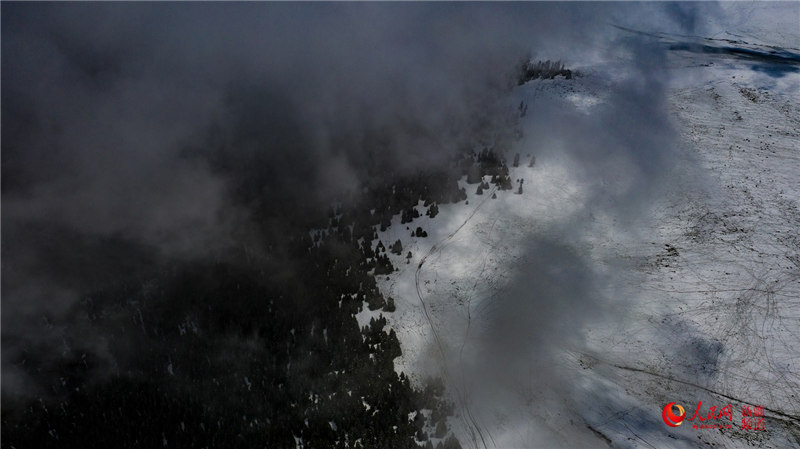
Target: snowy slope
column 705, row 290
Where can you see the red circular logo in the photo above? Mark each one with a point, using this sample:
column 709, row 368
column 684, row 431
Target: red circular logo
column 670, row 418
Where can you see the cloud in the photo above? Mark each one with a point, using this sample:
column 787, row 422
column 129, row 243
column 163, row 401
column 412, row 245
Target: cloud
column 136, row 134
column 621, row 155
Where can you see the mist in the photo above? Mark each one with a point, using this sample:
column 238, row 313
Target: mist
column 138, row 135
column 160, row 131
column 622, row 157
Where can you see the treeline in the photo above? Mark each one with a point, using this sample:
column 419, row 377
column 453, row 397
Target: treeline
column 228, row 356
column 529, row 70
column 251, row 351
column 487, row 162
column 236, row 353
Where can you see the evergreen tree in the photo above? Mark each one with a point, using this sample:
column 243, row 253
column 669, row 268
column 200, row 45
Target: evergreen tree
column 474, row 174
column 397, row 248
column 433, row 210
column 451, row 443
column 441, row 429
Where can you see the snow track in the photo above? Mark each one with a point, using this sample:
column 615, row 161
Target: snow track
column 470, row 421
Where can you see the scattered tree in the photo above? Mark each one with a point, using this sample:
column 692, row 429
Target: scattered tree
column 433, row 210
column 545, row 70
column 397, row 248
column 474, row 174
column 441, row 429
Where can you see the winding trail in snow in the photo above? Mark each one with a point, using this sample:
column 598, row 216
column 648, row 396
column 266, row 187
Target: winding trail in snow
column 470, row 421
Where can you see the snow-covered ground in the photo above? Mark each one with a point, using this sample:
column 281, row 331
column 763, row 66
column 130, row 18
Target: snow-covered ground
column 697, row 299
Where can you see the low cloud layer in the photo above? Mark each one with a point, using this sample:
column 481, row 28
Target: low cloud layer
column 136, row 134
column 523, row 384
